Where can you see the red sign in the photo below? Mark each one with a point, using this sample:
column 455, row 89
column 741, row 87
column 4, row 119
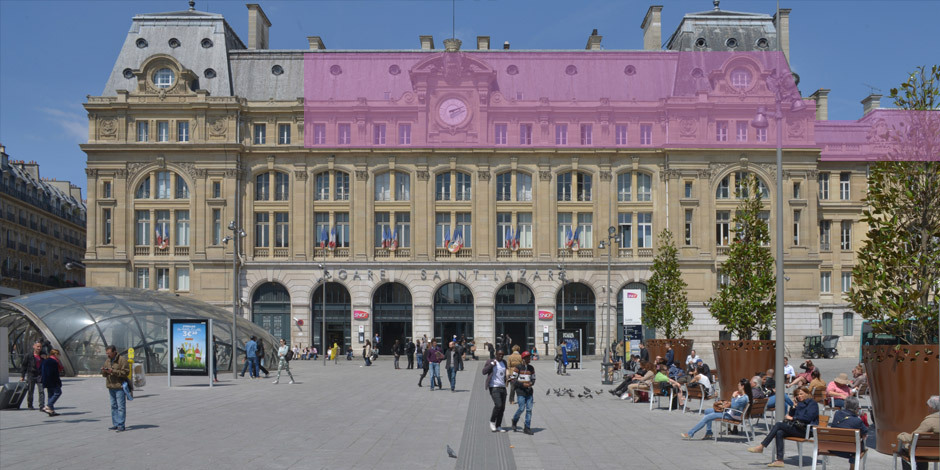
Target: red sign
column 546, row 315
column 360, row 315
column 631, row 295
column 300, row 323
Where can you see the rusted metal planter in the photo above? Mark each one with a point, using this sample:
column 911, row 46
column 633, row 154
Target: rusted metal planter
column 739, row 359
column 681, row 347
column 900, row 380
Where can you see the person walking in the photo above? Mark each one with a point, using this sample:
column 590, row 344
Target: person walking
column 260, row 361
column 375, row 344
column 283, row 362
column 115, row 372
column 461, row 350
column 31, row 375
column 410, row 352
column 367, row 353
column 434, row 358
column 523, row 381
column 423, row 363
column 419, row 353
column 50, row 371
column 251, row 355
column 495, row 383
column 451, row 358
column 562, row 358
column 512, row 361
column 397, row 352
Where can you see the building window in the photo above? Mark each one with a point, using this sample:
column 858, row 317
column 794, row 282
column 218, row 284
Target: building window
column 216, row 189
column 524, row 229
column 761, row 134
column 844, row 185
column 143, row 131
column 620, row 133
column 723, row 190
column 216, row 226
column 142, row 222
column 321, row 227
column 688, row 190
column 577, row 181
column 163, row 185
column 281, row 186
column 797, row 187
column 740, row 133
column 403, row 229
column 499, row 134
column 846, row 281
column 383, row 228
column 688, row 227
column 281, row 229
column 564, row 228
column 106, row 226
column 561, row 134
column 182, row 279
column 342, row 186
column 644, row 230
column 585, row 230
column 163, row 278
column 503, row 229
column 442, row 185
column 382, row 187
column 182, row 189
column 162, row 227
column 262, row 230
column 319, row 134
column 465, row 227
column 106, row 190
column 823, row 186
column 625, row 187
column 723, row 227
column 402, row 186
column 646, row 134
column 378, row 134
column 845, row 239
column 322, row 186
column 260, row 133
column 182, row 228
column 342, row 229
column 587, row 134
column 343, row 134
column 143, row 278
column 848, row 324
column 740, row 78
column 824, row 229
column 463, row 186
column 503, row 187
column 262, row 187
column 442, row 228
column 764, row 216
column 625, row 224
column 825, row 279
column 163, row 78
column 523, row 187
column 525, row 134
column 404, row 134
column 182, row 131
column 796, row 227
column 721, row 131
column 826, row 323
column 723, row 280
column 644, row 187
column 163, row 131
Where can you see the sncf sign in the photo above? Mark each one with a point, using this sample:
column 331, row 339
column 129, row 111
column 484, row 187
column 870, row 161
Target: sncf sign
column 546, row 315
column 360, row 315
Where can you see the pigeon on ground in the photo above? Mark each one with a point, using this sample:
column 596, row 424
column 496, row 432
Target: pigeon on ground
column 587, row 390
column 580, row 396
column 547, row 391
column 598, row 392
column 589, row 396
column 451, row 453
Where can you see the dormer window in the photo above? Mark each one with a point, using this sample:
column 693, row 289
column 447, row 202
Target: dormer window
column 163, row 78
column 740, row 78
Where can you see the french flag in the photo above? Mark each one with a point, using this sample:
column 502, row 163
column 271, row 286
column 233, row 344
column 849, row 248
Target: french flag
column 394, row 243
column 323, row 237
column 507, row 242
column 457, row 244
column 332, row 243
column 569, row 239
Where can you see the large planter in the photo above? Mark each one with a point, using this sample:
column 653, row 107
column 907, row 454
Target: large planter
column 740, row 359
column 900, row 379
column 681, row 347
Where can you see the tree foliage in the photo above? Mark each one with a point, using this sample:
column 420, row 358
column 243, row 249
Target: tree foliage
column 667, row 306
column 897, row 276
column 746, row 304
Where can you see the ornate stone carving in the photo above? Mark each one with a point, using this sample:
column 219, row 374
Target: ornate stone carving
column 189, row 168
column 687, row 127
column 91, row 172
column 606, row 175
column 795, row 129
column 669, row 174
column 134, row 167
column 218, row 127
column 362, row 175
column 545, row 175
column 232, row 172
column 423, row 175
column 200, row 173
column 120, row 173
column 107, row 127
column 483, row 175
column 300, row 175
column 705, row 173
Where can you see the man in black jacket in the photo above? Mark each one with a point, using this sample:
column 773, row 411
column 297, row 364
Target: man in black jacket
column 523, row 378
column 410, row 351
column 31, row 375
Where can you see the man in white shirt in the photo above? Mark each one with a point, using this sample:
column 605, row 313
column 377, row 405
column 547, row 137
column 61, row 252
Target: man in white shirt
column 788, row 369
column 691, row 359
column 495, row 372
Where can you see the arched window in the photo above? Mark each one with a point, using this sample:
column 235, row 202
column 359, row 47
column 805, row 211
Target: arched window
column 738, row 180
column 340, row 183
column 574, row 186
column 279, row 180
column 452, row 186
column 505, row 185
column 397, row 180
column 143, row 190
column 169, row 185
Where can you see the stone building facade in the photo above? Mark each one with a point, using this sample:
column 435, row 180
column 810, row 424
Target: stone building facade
column 368, row 166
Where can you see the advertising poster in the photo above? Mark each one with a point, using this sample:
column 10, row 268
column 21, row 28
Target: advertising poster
column 188, row 347
column 572, row 339
column 632, row 307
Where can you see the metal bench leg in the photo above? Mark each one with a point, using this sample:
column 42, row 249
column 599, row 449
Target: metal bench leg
column 799, row 450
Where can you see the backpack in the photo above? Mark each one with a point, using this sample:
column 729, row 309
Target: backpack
column 289, row 355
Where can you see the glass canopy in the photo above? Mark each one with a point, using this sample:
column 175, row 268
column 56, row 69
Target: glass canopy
column 82, row 322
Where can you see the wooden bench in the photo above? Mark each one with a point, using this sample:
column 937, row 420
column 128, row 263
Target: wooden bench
column 924, row 448
column 819, row 396
column 823, row 422
column 725, row 422
column 696, row 391
column 657, row 391
column 830, row 440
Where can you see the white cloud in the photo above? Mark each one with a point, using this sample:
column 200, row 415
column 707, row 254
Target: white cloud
column 74, row 124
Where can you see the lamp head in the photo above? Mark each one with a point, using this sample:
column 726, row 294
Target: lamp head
column 602, row 244
column 226, row 239
column 241, row 233
column 611, row 231
column 231, row 225
column 760, row 120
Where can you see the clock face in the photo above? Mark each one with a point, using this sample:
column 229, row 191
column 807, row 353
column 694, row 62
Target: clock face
column 453, row 111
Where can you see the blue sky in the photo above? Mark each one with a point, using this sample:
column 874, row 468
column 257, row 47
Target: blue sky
column 54, row 53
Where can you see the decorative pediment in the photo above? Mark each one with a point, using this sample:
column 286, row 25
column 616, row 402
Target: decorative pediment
column 163, row 75
column 454, row 68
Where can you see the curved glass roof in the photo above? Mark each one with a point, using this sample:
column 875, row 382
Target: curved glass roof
column 81, row 322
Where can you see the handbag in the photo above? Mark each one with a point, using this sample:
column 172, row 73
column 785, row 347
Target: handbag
column 719, row 406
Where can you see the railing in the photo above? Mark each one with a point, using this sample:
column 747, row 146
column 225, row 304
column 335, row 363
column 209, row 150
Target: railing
column 723, row 250
column 161, row 251
column 399, row 253
column 261, row 252
column 181, row 251
column 564, row 253
column 41, row 203
column 444, row 253
column 281, row 252
column 141, row 251
column 625, row 252
column 320, row 253
column 505, row 253
column 825, row 246
column 644, row 252
column 585, row 253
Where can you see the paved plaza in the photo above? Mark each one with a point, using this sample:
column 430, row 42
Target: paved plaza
column 342, row 416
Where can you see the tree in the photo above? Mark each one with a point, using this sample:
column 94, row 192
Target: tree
column 746, row 304
column 897, row 276
column 667, row 307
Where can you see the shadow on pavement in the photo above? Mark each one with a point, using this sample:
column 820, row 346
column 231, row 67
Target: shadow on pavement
column 140, row 426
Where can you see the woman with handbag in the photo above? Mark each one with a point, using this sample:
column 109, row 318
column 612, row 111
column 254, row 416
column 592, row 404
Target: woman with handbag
column 367, row 353
column 805, row 413
column 733, row 409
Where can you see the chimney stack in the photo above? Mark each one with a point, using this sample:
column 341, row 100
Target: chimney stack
column 822, row 104
column 594, row 41
column 316, row 44
column 258, row 25
column 653, row 29
column 782, row 23
column 506, row 45
column 4, row 158
column 483, row 43
column 427, row 43
column 871, row 103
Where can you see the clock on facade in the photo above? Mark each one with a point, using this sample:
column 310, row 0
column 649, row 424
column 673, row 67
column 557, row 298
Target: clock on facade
column 453, row 111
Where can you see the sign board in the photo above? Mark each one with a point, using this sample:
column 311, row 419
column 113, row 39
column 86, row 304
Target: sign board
column 189, row 347
column 360, row 315
column 362, row 334
column 546, row 314
column 572, row 339
column 632, row 307
column 545, row 335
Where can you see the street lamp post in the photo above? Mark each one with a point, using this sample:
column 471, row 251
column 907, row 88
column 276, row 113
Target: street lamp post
column 777, row 84
column 237, row 234
column 323, row 314
column 612, row 237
